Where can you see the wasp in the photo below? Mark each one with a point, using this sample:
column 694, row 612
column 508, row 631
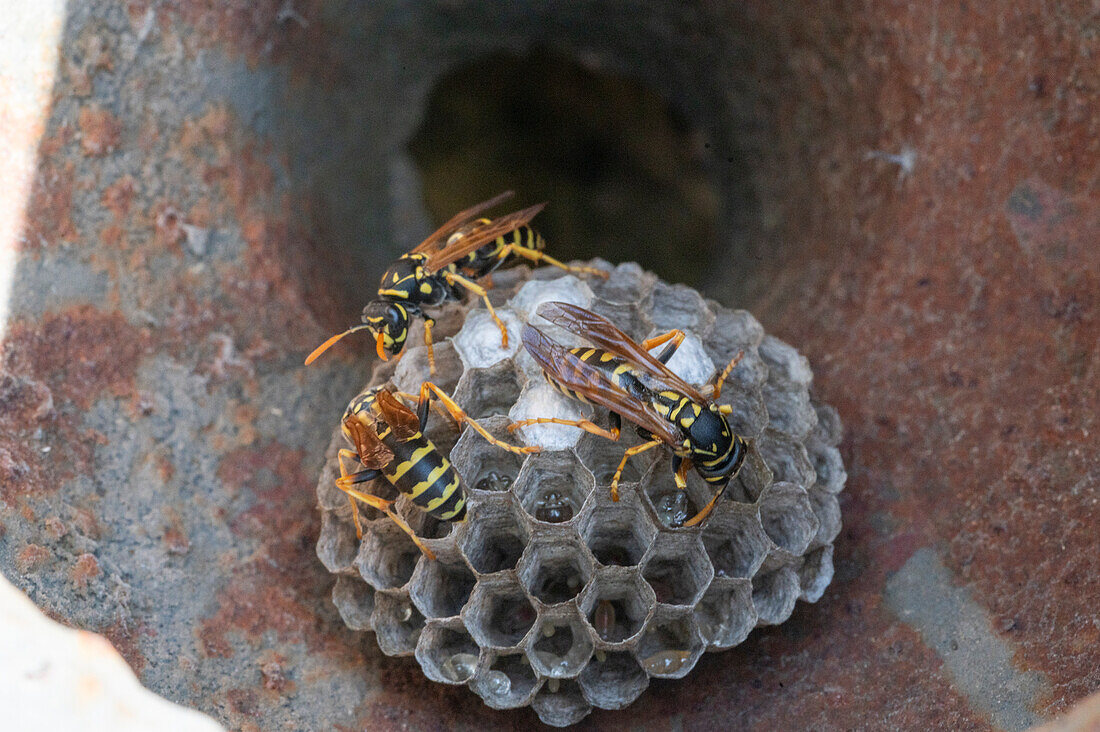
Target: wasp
column 444, row 268
column 622, row 375
column 388, row 441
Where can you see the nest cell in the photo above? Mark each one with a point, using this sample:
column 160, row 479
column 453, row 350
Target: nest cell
column 602, row 457
column 816, row 573
column 447, row 653
column 560, row 646
column 752, row 480
column 560, row 703
column 488, row 392
column 387, row 556
column 553, row 488
column 441, row 588
column 774, row 595
column 784, row 362
column 679, row 306
column 829, row 429
column 827, row 510
column 539, row 399
column 613, row 680
column 555, row 568
column 483, row 466
column 479, row 342
column 499, row 614
column 789, row 409
column 828, row 465
column 616, row 605
column 413, row 369
column 628, row 283
column 690, row 361
column 567, row 288
column 736, row 330
column 507, row 682
column 750, row 415
column 678, row 569
column 671, row 644
column 496, row 537
column 670, row 505
column 617, row 533
column 337, row 544
column 397, row 623
column 726, row 614
column 787, row 458
column 736, row 543
column 788, row 518
column 355, row 601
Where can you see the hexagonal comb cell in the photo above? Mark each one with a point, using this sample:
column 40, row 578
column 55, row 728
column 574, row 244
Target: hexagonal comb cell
column 816, row 573
column 617, row 534
column 412, row 369
column 497, row 536
column 789, row 409
column 552, row 488
column 617, row 604
column 387, row 556
column 628, row 283
column 678, row 569
column 787, row 458
column 774, row 595
column 555, row 568
column 679, row 306
column 827, row 510
column 441, row 588
column 668, row 504
column 828, row 465
column 736, row 330
column 750, row 414
column 560, row 646
column 499, row 614
column 785, row 362
column 788, row 518
column 446, row 652
column 507, row 682
column 337, row 544
column 736, row 543
column 560, row 703
column 613, row 679
column 397, row 623
column 671, row 644
column 355, row 601
column 726, row 614
column 483, row 466
column 752, row 480
column 489, row 391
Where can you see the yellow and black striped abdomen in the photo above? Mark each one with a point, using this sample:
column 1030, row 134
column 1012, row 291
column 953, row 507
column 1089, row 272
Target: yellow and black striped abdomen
column 421, row 472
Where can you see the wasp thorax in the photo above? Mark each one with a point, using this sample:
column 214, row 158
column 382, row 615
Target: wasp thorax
column 554, row 596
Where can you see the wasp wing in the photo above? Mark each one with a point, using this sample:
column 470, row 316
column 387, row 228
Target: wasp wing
column 402, row 420
column 570, row 371
column 459, row 219
column 372, row 453
column 603, row 334
column 479, row 237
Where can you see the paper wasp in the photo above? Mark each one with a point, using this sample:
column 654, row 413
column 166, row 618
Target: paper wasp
column 389, row 441
column 442, row 268
column 622, row 375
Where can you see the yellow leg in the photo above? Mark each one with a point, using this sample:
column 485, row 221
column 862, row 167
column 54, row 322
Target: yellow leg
column 676, row 335
column 428, row 389
column 428, row 342
column 725, row 372
column 681, row 474
column 632, row 451
column 346, row 454
column 536, row 256
column 584, row 424
column 481, row 292
column 387, row 508
column 697, row 518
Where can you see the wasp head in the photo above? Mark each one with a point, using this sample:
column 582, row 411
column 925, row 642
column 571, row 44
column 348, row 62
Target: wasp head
column 389, row 322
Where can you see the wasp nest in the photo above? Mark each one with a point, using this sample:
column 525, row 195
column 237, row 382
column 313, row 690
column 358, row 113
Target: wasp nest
column 550, row 594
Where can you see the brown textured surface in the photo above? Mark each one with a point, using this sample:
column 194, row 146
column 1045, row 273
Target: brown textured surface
column 949, row 312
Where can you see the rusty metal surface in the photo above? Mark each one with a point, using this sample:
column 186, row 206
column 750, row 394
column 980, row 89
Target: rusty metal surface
column 209, row 171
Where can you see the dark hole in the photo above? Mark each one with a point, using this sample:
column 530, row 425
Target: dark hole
column 671, row 582
column 611, row 547
column 510, row 619
column 558, row 644
column 457, row 584
column 556, row 583
column 617, row 163
column 501, row 551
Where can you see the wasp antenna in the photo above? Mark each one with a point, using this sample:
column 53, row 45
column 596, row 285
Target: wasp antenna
column 327, row 344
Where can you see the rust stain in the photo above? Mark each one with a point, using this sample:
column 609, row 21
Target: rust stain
column 100, row 130
column 83, row 571
column 31, row 558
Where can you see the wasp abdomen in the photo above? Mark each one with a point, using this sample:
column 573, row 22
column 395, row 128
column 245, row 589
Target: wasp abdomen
column 421, row 472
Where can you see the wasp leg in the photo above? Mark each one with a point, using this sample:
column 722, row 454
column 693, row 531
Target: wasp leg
column 630, row 452
column 536, row 256
column 428, row 390
column 453, row 279
column 697, row 518
column 584, row 424
column 675, row 335
column 422, row 418
column 681, row 468
column 717, row 392
column 428, row 323
column 386, row 507
column 350, row 478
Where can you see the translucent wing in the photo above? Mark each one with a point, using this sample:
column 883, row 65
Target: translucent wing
column 460, row 218
column 574, row 374
column 479, row 237
column 603, row 334
column 401, row 419
column 372, row 453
